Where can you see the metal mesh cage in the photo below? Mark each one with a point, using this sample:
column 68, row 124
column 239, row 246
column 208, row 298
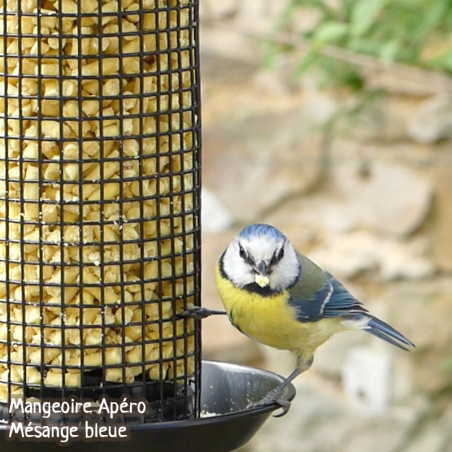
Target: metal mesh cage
column 99, row 201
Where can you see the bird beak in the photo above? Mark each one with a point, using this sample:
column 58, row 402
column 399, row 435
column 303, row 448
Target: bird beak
column 261, row 278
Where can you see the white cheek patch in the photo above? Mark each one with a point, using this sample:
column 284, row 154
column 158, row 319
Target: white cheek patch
column 236, row 269
column 286, row 272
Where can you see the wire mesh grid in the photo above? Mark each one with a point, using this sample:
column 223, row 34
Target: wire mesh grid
column 99, row 201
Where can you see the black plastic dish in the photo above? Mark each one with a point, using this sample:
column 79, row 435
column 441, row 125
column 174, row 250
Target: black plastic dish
column 225, row 423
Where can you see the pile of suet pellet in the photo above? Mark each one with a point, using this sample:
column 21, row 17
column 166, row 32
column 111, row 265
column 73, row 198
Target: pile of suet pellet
column 96, row 199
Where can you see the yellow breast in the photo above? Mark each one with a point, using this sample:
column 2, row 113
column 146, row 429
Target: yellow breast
column 272, row 321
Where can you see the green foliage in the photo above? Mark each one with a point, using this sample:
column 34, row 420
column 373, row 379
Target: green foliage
column 412, row 32
column 447, row 365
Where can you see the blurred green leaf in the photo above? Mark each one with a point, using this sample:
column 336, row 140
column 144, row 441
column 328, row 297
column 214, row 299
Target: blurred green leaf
column 447, row 365
column 329, row 32
column 443, row 61
column 363, row 15
column 433, row 16
column 367, row 46
column 353, row 80
column 310, row 59
column 293, row 5
column 404, row 31
column 389, row 50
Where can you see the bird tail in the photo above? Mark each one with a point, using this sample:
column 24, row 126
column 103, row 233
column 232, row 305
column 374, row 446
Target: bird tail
column 386, row 332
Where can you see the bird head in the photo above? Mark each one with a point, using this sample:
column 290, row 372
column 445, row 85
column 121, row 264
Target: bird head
column 261, row 258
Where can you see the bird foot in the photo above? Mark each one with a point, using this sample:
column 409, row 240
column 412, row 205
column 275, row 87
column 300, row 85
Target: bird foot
column 272, row 398
column 198, row 312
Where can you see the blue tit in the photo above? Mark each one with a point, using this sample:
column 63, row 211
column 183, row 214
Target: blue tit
column 282, row 299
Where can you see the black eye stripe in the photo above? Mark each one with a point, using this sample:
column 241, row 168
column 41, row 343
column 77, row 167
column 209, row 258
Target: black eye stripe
column 277, row 256
column 246, row 256
column 249, row 260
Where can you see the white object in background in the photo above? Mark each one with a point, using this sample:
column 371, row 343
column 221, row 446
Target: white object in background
column 214, row 215
column 366, row 377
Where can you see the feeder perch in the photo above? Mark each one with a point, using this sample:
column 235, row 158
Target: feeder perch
column 100, row 140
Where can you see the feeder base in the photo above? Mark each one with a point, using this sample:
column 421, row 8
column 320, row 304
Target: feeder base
column 225, row 423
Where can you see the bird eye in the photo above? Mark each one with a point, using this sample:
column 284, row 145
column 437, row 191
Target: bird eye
column 242, row 252
column 277, row 256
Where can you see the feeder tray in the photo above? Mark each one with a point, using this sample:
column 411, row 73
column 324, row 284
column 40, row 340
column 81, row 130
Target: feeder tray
column 225, row 423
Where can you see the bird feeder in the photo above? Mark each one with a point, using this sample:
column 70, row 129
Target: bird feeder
column 100, row 231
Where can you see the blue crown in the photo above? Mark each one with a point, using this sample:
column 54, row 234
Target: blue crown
column 260, row 230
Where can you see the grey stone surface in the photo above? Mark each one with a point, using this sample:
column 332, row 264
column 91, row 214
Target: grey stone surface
column 262, row 159
column 441, row 237
column 321, row 421
column 384, row 198
column 432, row 121
column 349, row 254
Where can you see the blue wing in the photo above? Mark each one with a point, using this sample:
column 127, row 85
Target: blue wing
column 341, row 302
column 333, row 300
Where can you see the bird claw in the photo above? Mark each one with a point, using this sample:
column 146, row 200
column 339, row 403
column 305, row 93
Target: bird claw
column 198, row 312
column 285, row 407
column 272, row 399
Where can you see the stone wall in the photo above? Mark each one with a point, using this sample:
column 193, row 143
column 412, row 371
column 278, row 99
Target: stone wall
column 371, row 201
